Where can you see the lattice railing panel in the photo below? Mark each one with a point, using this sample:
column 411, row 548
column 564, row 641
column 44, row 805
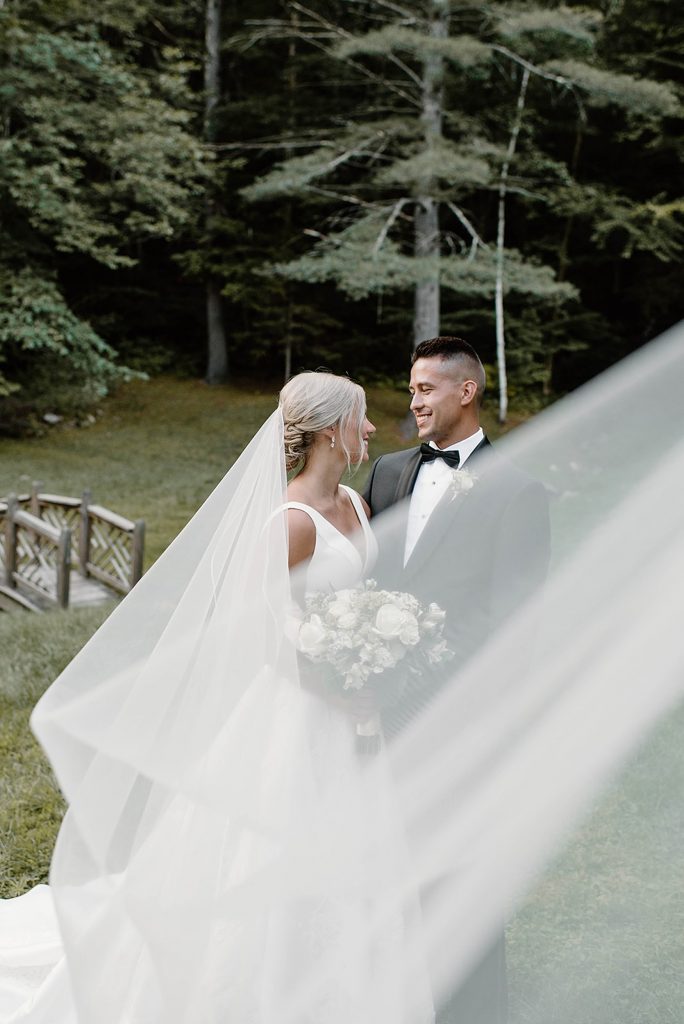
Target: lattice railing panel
column 60, row 516
column 37, row 560
column 111, row 552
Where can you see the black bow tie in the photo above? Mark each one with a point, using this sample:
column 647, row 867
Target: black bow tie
column 429, row 454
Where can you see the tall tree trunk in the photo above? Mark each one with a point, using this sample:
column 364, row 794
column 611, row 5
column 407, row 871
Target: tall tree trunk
column 217, row 348
column 500, row 241
column 426, row 215
column 291, row 80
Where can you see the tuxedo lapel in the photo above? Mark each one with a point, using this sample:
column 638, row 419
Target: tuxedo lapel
column 408, row 475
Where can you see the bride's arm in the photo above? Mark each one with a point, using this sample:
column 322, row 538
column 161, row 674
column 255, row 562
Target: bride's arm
column 301, row 534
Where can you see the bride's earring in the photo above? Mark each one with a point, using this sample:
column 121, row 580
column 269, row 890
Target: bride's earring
column 332, row 442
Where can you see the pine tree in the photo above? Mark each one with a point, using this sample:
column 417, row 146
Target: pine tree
column 406, row 176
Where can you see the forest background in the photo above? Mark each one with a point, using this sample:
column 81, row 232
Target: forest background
column 239, row 190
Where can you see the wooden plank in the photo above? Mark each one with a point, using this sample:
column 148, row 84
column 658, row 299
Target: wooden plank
column 127, row 525
column 57, row 499
column 105, row 577
column 12, row 600
column 31, row 522
column 39, row 589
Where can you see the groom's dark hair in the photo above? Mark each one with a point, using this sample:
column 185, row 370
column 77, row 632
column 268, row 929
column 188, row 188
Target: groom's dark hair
column 458, row 351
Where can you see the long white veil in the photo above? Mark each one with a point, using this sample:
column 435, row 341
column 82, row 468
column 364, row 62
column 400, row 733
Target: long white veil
column 199, row 819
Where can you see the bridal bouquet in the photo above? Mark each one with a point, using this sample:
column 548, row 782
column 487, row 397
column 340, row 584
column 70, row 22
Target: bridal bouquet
column 362, row 632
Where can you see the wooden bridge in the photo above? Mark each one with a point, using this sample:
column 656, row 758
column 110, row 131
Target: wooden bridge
column 57, row 551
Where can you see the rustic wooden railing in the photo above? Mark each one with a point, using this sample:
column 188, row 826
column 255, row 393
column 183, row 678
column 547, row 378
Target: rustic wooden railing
column 36, row 554
column 45, row 535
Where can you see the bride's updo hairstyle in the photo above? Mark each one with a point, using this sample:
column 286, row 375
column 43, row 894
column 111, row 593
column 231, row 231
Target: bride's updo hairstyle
column 314, row 400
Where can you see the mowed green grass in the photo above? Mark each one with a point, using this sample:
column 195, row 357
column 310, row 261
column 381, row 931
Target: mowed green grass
column 33, row 651
column 600, row 937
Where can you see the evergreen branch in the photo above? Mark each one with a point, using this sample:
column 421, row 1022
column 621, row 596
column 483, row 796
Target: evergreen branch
column 475, row 239
column 345, row 197
column 387, row 226
column 533, row 68
column 268, row 144
column 342, row 33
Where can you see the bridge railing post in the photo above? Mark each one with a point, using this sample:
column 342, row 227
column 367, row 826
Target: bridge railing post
column 137, row 547
column 84, row 534
column 10, row 541
column 63, row 567
column 36, row 488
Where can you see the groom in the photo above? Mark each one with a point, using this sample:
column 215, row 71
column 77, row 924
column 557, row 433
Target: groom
column 478, row 550
column 478, row 558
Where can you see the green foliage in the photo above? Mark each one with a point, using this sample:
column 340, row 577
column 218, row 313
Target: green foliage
column 464, row 51
column 104, row 185
column 636, row 95
column 460, row 166
column 297, row 173
column 353, row 260
column 50, row 349
column 96, row 159
column 577, row 24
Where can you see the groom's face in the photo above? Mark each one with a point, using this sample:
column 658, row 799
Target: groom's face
column 437, row 401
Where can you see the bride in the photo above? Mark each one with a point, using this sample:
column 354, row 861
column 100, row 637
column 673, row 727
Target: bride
column 208, row 787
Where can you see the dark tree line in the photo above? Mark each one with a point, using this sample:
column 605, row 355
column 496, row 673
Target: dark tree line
column 245, row 189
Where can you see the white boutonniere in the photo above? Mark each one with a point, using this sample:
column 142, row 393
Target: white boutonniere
column 462, row 481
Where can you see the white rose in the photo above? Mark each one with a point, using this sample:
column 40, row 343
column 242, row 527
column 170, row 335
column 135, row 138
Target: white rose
column 388, row 621
column 342, row 604
column 394, row 623
column 312, row 636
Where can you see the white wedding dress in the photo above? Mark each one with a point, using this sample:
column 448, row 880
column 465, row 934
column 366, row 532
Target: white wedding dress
column 313, row 948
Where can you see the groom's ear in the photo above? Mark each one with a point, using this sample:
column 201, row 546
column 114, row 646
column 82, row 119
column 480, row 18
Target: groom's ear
column 469, row 392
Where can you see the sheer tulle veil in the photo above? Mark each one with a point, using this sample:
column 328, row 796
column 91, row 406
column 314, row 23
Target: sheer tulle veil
column 176, row 736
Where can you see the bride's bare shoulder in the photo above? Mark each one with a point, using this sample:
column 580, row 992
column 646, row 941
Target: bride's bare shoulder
column 301, row 536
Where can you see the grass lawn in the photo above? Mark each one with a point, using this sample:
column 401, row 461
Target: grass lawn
column 600, row 938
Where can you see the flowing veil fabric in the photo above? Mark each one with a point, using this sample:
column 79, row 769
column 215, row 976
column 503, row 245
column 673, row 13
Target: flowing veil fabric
column 204, row 825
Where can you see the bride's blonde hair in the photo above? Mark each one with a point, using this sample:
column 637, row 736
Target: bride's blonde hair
column 314, row 400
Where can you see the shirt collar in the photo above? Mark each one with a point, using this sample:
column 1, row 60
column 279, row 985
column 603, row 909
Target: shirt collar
column 465, row 447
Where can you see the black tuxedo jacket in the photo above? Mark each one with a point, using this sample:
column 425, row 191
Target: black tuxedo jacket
column 478, row 556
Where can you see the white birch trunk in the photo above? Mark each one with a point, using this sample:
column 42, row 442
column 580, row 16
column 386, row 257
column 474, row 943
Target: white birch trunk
column 217, row 348
column 500, row 241
column 426, row 215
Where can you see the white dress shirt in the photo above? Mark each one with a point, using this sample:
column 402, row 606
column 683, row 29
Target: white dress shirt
column 431, row 483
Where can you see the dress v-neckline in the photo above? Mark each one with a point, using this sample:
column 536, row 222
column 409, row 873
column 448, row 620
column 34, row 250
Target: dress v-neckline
column 363, row 556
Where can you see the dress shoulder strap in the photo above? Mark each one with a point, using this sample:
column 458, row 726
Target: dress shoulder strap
column 315, row 516
column 355, row 498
